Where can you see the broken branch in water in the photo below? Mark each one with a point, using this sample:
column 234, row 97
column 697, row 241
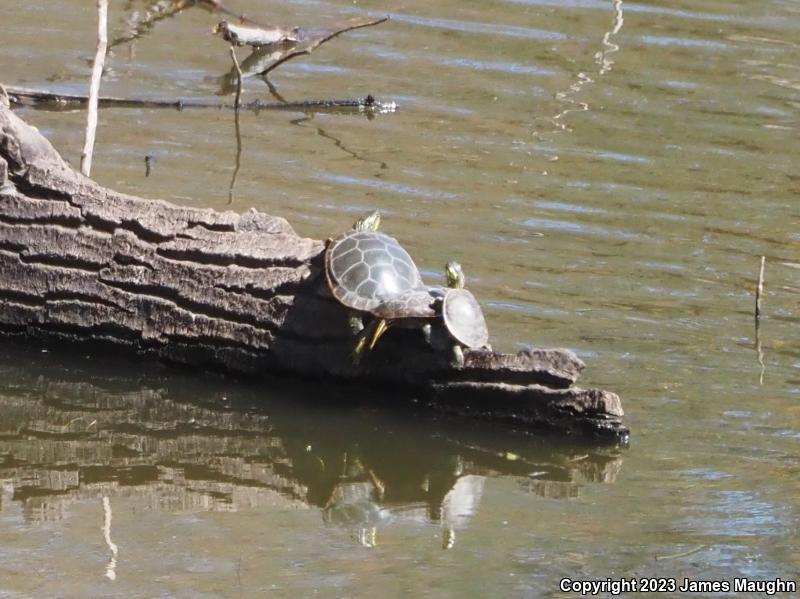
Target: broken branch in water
column 243, row 35
column 760, row 288
column 238, row 100
column 157, row 12
column 759, row 292
column 94, row 87
column 316, row 38
column 54, row 101
column 237, row 104
column 266, row 58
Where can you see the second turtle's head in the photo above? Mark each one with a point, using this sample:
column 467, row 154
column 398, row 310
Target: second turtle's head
column 371, row 222
column 454, row 275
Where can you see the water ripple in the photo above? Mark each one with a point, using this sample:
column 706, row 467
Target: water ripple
column 580, row 228
column 503, row 67
column 386, row 186
column 683, row 42
column 484, row 28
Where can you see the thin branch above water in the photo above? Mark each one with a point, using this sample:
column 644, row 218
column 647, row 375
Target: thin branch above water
column 57, row 101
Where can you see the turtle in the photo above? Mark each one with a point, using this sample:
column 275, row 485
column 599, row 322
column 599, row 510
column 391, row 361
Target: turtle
column 462, row 323
column 365, row 268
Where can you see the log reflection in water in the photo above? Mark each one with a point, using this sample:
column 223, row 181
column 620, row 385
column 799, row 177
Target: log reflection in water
column 70, row 432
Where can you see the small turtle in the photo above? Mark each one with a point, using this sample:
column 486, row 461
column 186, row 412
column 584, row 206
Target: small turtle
column 464, row 324
column 365, row 268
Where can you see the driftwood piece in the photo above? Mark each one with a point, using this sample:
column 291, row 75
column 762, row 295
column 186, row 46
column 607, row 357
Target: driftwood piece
column 257, row 37
column 289, row 43
column 241, row 293
column 303, row 42
column 94, row 87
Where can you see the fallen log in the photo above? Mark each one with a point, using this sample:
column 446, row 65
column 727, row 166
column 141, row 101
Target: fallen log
column 240, row 293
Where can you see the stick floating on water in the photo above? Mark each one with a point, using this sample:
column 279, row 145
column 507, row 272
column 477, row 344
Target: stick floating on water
column 660, row 558
column 760, row 288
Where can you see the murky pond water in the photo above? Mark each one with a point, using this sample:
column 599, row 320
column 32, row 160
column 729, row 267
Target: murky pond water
column 608, row 173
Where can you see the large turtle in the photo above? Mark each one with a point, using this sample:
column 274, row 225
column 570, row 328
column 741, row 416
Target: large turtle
column 462, row 323
column 365, row 268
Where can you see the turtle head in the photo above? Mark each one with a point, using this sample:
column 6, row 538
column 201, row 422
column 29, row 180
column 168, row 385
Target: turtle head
column 454, row 275
column 370, row 222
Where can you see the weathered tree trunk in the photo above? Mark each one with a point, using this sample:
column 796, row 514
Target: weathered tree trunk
column 239, row 293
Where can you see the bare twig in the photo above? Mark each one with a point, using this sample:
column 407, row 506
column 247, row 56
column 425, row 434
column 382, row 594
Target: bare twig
column 257, row 37
column 660, row 558
column 236, row 105
column 759, row 293
column 53, row 101
column 760, row 354
column 315, row 40
column 94, row 88
column 238, row 101
column 760, row 288
column 238, row 163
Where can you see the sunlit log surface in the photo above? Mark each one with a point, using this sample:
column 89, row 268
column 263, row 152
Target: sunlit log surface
column 241, row 293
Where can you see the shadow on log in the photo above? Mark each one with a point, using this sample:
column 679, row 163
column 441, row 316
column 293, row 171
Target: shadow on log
column 239, row 293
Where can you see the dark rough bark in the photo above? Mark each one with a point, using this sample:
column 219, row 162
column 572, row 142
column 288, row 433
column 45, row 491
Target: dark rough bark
column 241, row 293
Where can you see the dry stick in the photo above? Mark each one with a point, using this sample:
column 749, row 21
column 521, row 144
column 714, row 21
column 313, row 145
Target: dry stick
column 760, row 288
column 94, row 88
column 237, row 101
column 659, row 558
column 37, row 98
column 309, row 47
column 759, row 293
column 236, row 105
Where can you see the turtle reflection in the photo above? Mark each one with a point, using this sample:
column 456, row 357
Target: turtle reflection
column 72, row 432
column 358, row 503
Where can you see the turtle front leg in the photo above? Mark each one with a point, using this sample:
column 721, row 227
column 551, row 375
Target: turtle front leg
column 380, row 329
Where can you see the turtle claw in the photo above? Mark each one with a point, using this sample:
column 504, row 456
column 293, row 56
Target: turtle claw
column 363, row 342
column 379, row 329
column 358, row 350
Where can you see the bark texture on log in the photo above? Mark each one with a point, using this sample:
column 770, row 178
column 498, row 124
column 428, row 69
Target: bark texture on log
column 241, row 293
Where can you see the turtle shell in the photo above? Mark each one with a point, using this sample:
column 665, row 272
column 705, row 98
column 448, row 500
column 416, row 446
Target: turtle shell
column 414, row 303
column 367, row 268
column 464, row 319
